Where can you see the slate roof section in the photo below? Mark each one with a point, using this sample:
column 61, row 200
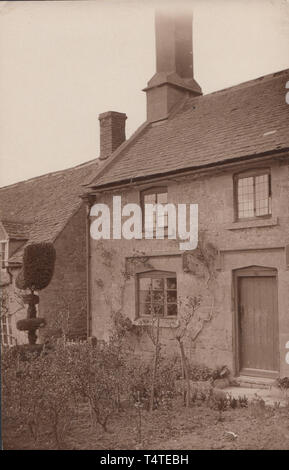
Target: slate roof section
column 244, row 120
column 44, row 203
column 16, row 230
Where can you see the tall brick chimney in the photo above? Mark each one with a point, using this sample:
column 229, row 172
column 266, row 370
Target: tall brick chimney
column 174, row 78
column 112, row 132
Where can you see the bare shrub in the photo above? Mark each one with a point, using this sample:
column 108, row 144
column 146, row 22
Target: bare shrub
column 95, row 379
column 41, row 387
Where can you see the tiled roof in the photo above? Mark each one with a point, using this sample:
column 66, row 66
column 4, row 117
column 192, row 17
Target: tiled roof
column 244, row 120
column 16, row 230
column 45, row 203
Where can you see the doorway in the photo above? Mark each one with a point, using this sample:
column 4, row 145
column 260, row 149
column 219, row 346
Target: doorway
column 257, row 322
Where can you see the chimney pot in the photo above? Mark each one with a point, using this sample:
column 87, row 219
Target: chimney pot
column 112, row 132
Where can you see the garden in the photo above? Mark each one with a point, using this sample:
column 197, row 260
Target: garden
column 98, row 396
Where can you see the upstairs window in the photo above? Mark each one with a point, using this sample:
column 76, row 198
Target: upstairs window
column 253, row 195
column 157, row 294
column 155, row 196
column 3, row 254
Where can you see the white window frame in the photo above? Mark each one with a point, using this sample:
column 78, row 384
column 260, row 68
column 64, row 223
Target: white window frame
column 7, row 339
column 5, row 260
column 252, row 174
column 156, row 274
column 154, row 191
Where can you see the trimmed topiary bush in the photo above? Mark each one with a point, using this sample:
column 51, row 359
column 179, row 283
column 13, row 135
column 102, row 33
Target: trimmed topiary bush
column 30, row 323
column 36, row 274
column 28, row 298
column 38, row 266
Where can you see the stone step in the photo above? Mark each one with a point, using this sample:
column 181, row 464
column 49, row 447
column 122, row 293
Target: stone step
column 272, row 396
column 255, row 382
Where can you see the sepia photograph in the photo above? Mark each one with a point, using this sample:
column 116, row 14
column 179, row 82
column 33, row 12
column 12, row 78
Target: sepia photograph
column 144, row 227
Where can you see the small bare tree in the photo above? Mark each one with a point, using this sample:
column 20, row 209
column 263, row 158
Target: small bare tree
column 189, row 306
column 200, row 263
column 153, row 331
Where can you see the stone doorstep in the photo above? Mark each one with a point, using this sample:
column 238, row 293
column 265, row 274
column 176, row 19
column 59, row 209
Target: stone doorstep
column 255, row 382
column 271, row 395
column 256, row 386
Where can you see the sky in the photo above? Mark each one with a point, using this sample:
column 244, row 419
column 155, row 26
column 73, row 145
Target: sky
column 62, row 63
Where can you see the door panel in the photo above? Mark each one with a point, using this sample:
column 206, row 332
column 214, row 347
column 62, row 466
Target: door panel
column 258, row 323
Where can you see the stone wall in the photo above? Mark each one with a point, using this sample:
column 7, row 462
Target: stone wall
column 63, row 302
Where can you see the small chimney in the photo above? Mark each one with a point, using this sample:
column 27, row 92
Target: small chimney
column 112, row 132
column 174, row 78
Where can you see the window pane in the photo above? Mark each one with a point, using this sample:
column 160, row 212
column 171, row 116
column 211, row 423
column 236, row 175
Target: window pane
column 4, row 331
column 262, row 195
column 171, row 283
column 145, row 309
column 162, row 198
column 246, row 197
column 172, row 310
column 162, row 220
column 158, row 310
column 150, row 199
column 9, row 325
column 158, row 296
column 166, row 219
column 172, row 296
column 145, row 283
column 158, row 284
column 2, row 254
column 144, row 296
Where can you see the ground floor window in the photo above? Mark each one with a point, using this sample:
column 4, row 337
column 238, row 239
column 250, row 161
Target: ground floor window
column 6, row 330
column 157, row 294
column 3, row 254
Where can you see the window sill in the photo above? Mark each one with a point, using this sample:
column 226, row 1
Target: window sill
column 268, row 222
column 154, row 233
column 164, row 322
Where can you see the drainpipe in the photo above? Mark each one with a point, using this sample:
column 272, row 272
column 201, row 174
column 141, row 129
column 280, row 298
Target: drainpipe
column 89, row 201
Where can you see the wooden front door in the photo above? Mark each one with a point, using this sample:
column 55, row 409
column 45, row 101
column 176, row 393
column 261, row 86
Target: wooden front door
column 258, row 323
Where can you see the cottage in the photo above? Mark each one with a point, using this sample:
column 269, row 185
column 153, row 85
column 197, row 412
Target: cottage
column 228, row 152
